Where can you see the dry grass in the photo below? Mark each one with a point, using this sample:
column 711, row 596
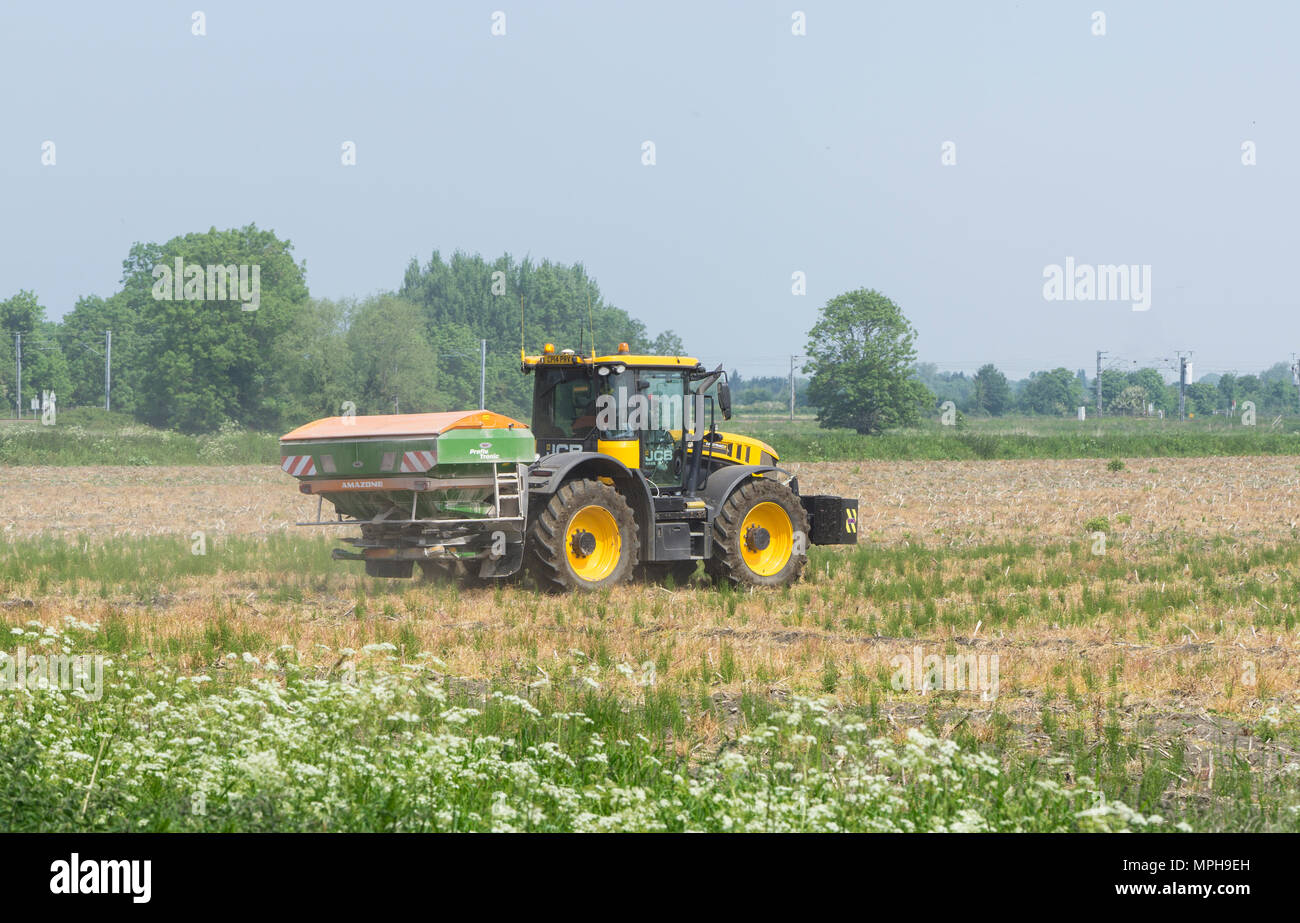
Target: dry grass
column 1051, row 499
column 958, row 500
column 130, row 501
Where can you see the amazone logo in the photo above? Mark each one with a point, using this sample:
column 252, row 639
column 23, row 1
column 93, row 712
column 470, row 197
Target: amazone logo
column 363, row 484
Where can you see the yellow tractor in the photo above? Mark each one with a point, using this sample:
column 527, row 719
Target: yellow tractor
column 633, row 478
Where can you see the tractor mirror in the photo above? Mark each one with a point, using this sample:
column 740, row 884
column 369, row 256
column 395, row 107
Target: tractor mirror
column 724, row 399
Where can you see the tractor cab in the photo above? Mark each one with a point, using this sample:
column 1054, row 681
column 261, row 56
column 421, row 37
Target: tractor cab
column 648, row 412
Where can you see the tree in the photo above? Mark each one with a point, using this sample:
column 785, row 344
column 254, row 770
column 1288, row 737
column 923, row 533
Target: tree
column 208, row 357
column 81, row 335
column 1131, row 401
column 991, row 393
column 946, row 386
column 316, row 367
column 667, row 344
column 862, row 356
column 392, row 359
column 1202, row 398
column 44, row 366
column 468, row 298
column 1056, row 392
column 1227, row 389
column 1113, row 382
column 1153, row 387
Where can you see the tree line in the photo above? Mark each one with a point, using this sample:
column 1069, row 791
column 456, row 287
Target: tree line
column 865, row 377
column 195, row 349
column 186, row 358
column 1123, row 393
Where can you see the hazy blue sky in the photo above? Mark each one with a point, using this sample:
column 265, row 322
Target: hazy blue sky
column 775, row 153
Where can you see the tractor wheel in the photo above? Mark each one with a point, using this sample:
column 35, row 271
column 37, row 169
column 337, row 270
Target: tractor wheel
column 662, row 571
column 585, row 538
column 759, row 536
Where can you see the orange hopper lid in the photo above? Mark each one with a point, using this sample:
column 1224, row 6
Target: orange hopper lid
column 399, row 424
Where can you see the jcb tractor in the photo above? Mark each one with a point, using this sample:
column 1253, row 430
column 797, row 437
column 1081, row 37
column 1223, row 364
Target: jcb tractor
column 622, row 475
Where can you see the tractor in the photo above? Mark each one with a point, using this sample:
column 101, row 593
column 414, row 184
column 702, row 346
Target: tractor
column 622, row 475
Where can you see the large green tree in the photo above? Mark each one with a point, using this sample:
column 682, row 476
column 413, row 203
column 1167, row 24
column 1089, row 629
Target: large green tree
column 991, row 394
column 862, row 364
column 210, row 358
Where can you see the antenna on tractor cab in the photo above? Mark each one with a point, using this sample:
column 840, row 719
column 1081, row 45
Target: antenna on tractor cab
column 521, row 327
column 590, row 325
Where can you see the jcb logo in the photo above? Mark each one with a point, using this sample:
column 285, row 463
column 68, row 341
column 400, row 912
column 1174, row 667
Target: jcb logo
column 566, row 447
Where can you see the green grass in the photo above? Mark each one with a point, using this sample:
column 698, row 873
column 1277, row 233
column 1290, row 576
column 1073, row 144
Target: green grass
column 94, row 437
column 156, row 562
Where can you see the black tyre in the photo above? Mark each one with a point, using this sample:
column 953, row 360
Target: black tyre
column 760, row 536
column 584, row 538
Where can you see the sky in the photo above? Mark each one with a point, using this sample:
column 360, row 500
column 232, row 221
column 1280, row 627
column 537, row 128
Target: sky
column 775, row 153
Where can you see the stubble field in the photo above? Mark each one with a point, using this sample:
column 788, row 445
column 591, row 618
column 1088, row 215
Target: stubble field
column 1133, row 637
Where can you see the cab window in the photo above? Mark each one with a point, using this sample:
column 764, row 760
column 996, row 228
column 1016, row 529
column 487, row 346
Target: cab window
column 661, row 455
column 566, row 405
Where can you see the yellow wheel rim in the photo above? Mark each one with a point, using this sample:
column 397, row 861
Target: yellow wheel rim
column 593, row 543
column 766, row 539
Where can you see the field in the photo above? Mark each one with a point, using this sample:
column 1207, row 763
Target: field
column 1131, row 633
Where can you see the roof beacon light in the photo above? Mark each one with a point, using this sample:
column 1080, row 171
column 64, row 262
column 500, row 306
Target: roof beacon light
column 548, row 348
column 622, row 347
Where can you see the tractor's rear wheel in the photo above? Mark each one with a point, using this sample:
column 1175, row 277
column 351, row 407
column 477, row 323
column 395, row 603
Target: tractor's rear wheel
column 760, row 536
column 585, row 538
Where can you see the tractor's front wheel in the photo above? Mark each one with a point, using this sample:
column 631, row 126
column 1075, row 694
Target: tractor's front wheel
column 585, row 538
column 760, row 536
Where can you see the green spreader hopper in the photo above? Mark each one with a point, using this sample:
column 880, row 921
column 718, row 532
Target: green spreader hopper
column 438, row 489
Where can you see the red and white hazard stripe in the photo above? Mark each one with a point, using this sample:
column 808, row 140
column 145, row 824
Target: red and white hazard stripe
column 298, row 465
column 417, row 462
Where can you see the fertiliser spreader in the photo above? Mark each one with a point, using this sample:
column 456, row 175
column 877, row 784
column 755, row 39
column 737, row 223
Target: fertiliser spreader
column 441, row 490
